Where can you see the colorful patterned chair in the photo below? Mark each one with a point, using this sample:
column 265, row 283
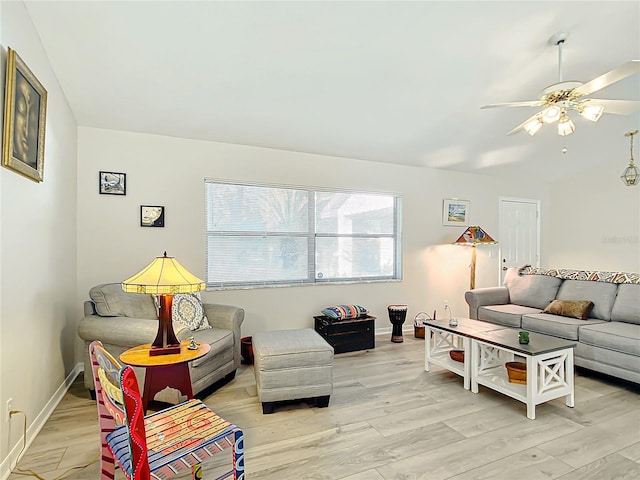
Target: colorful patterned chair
column 160, row 445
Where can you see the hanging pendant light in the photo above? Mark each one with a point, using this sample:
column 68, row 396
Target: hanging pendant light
column 631, row 175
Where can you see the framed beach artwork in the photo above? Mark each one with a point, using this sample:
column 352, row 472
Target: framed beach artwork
column 25, row 119
column 455, row 212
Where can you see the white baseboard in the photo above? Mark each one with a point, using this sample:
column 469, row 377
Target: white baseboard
column 38, row 423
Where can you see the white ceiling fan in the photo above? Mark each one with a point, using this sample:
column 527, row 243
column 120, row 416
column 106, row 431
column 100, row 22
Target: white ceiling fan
column 560, row 98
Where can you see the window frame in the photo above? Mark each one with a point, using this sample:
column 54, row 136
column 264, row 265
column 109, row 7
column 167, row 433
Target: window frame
column 311, row 237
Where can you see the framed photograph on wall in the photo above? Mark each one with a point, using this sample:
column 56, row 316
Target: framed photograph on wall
column 25, row 119
column 113, row 183
column 151, row 216
column 455, row 212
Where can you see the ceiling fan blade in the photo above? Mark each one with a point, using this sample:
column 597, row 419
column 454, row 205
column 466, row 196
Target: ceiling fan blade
column 606, row 79
column 521, row 126
column 532, row 103
column 618, row 107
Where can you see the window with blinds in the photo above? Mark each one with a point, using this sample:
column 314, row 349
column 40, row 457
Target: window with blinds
column 260, row 235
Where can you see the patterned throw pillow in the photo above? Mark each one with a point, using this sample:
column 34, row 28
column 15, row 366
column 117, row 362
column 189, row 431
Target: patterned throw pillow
column 570, row 308
column 187, row 310
column 341, row 312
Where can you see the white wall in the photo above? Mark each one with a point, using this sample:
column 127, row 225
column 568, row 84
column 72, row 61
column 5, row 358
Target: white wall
column 596, row 219
column 38, row 298
column 170, row 172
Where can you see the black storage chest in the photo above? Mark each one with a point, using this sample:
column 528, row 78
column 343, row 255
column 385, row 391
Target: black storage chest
column 347, row 335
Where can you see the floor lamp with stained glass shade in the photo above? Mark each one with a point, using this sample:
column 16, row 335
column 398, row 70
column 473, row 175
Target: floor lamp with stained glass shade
column 164, row 277
column 472, row 237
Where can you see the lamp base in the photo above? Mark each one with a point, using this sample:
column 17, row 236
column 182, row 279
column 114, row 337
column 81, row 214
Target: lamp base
column 166, row 342
column 165, row 350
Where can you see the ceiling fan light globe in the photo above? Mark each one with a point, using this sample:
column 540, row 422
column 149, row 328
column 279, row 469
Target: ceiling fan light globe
column 533, row 126
column 592, row 112
column 551, row 114
column 565, row 126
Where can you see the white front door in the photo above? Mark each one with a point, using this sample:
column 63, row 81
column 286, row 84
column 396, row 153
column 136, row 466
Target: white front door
column 519, row 233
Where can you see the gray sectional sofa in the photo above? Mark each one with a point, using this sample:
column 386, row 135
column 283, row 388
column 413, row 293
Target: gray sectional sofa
column 123, row 320
column 608, row 340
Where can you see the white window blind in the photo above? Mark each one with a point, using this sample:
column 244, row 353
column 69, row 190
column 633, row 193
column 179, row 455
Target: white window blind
column 260, row 235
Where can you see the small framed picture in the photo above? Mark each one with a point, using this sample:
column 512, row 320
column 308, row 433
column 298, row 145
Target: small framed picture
column 151, row 216
column 113, row 183
column 455, row 212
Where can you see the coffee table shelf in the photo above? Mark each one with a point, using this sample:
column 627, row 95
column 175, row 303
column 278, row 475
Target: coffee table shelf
column 442, row 359
column 440, row 338
column 549, row 367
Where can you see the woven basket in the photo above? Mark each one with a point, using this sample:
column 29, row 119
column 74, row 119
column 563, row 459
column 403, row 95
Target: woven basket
column 418, row 325
column 517, row 372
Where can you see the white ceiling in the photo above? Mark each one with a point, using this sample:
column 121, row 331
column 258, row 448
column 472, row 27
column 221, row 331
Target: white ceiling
column 396, row 82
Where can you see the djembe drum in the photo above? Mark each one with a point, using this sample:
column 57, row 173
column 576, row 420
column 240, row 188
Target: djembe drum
column 397, row 316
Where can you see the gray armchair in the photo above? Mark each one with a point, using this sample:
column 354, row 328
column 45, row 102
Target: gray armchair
column 123, row 320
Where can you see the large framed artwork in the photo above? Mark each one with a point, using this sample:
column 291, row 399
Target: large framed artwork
column 455, row 212
column 25, row 118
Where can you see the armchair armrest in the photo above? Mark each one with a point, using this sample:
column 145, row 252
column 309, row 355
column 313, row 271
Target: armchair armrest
column 485, row 296
column 126, row 332
column 89, row 308
column 227, row 317
column 224, row 316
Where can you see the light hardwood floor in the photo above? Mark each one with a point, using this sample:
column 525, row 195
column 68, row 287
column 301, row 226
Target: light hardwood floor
column 389, row 419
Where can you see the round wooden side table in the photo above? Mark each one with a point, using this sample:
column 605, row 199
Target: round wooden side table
column 164, row 371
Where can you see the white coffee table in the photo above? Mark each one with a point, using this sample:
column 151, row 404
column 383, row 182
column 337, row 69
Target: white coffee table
column 440, row 338
column 549, row 366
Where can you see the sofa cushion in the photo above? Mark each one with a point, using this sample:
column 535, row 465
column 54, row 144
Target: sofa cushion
column 602, row 295
column 626, row 307
column 111, row 301
column 508, row 315
column 534, row 291
column 570, row 308
column 555, row 325
column 617, row 336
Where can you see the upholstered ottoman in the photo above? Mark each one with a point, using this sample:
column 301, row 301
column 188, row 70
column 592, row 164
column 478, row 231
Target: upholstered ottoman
column 292, row 365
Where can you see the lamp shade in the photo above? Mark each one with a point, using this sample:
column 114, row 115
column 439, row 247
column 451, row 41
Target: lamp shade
column 474, row 235
column 565, row 126
column 533, row 126
column 592, row 112
column 164, row 275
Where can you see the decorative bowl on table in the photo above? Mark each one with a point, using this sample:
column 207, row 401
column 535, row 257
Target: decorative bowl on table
column 457, row 355
column 517, row 372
